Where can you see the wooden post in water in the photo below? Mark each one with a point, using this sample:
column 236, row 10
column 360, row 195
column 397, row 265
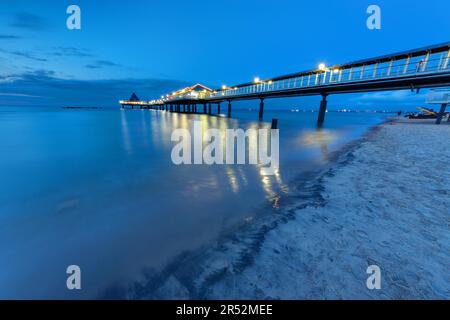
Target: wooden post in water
column 229, row 108
column 218, row 108
column 209, row 108
column 274, row 124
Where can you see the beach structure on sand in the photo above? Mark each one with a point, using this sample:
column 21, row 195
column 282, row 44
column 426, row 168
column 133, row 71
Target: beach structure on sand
column 426, row 67
column 440, row 97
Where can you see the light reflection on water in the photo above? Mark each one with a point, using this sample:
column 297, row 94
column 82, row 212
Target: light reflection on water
column 320, row 138
column 98, row 189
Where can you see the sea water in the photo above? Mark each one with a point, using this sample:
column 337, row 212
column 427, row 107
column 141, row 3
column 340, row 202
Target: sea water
column 98, row 189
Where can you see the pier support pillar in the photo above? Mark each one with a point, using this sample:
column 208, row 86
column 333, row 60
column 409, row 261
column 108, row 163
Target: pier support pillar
column 441, row 113
column 261, row 108
column 218, row 108
column 322, row 109
column 184, row 108
column 204, row 108
column 229, row 109
column 209, row 108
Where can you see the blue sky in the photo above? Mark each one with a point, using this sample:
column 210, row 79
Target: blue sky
column 154, row 47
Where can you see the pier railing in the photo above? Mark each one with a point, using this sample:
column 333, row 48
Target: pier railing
column 382, row 69
column 381, row 73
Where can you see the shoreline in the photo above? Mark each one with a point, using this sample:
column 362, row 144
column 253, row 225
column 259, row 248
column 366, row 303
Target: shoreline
column 371, row 212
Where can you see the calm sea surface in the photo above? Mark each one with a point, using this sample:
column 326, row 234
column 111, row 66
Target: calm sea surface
column 97, row 188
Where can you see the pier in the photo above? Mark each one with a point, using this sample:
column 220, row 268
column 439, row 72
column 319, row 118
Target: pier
column 426, row 67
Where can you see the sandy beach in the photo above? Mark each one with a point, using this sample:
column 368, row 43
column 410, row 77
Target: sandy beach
column 384, row 202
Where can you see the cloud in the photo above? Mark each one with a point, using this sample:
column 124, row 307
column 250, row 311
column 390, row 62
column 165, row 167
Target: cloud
column 102, row 63
column 12, row 94
column 71, row 51
column 44, row 88
column 28, row 21
column 9, row 37
column 390, row 96
column 405, row 99
column 24, row 54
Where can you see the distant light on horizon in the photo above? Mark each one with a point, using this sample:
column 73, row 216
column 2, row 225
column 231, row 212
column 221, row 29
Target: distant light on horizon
column 256, row 80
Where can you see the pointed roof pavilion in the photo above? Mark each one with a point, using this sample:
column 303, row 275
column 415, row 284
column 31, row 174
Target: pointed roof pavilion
column 134, row 97
column 198, row 88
